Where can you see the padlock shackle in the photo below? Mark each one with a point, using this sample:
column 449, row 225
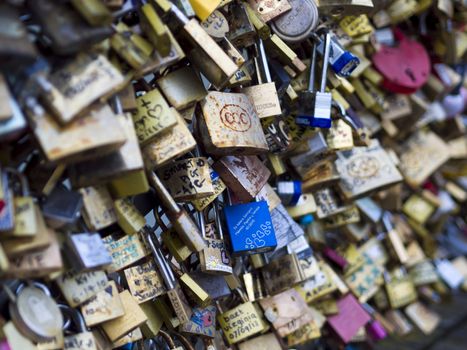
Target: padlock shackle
column 162, row 264
column 163, row 193
column 264, row 61
column 73, row 317
column 312, row 74
column 327, row 50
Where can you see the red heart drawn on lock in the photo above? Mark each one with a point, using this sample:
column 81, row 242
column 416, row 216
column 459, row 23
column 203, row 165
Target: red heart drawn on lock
column 405, row 66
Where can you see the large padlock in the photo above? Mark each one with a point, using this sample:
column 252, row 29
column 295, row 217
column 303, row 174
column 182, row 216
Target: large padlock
column 230, row 124
column 250, row 228
column 34, row 312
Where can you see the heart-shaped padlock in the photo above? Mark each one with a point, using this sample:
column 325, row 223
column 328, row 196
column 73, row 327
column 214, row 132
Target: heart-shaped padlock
column 405, row 67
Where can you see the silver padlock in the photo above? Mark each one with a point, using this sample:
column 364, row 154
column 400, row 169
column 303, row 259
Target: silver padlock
column 321, row 110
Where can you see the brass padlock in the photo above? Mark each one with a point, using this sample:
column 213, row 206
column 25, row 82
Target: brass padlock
column 144, row 282
column 125, row 251
column 98, row 209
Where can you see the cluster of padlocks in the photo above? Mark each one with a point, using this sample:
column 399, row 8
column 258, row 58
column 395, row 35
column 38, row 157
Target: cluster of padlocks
column 226, row 174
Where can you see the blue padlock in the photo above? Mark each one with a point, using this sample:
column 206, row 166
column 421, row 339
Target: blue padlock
column 250, row 228
column 342, row 62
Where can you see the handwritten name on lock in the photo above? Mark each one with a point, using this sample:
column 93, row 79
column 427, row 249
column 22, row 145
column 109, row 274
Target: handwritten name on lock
column 188, row 178
column 152, row 116
column 144, row 282
column 124, row 251
column 240, row 322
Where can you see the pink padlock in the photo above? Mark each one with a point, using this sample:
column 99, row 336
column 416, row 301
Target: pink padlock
column 405, row 67
column 4, row 345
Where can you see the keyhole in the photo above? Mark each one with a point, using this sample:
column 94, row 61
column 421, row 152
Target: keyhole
column 410, row 74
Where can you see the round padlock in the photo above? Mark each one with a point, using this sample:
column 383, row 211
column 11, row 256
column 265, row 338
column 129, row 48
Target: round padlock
column 297, row 24
column 36, row 314
column 405, row 67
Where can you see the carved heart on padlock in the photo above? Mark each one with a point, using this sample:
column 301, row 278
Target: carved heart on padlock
column 405, row 67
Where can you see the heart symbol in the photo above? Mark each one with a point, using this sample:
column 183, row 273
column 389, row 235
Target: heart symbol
column 260, row 242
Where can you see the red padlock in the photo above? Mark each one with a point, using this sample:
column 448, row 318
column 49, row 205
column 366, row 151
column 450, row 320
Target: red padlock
column 405, row 67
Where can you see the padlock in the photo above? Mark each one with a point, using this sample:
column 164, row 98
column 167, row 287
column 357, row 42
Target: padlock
column 400, row 290
column 339, row 7
column 104, row 306
column 250, row 228
column 193, row 90
column 78, row 287
column 394, row 240
column 77, row 335
column 170, row 145
column 244, row 175
column 156, row 31
column 44, row 236
column 241, row 321
column 177, row 248
column 264, row 95
column 193, row 290
column 62, row 206
column 98, row 210
column 68, row 32
column 216, row 25
column 128, row 217
column 214, row 259
column 181, row 221
column 132, row 318
column 230, row 124
column 260, row 25
column 279, row 49
column 210, row 59
column 16, row 46
column 343, row 62
column 270, row 10
column 241, row 29
column 297, row 24
column 87, row 251
column 424, row 318
column 124, row 168
column 153, row 116
column 287, row 311
column 94, row 12
column 187, row 179
column 282, row 273
column 98, row 133
column 316, row 106
column 144, row 281
column 407, row 70
column 177, row 298
column 34, row 312
column 202, row 322
column 126, row 250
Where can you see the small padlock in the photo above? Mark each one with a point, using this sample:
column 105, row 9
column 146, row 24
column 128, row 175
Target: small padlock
column 241, row 30
column 215, row 258
column 62, row 206
column 126, row 250
column 343, row 62
column 87, row 251
column 77, row 336
column 98, row 210
column 144, row 281
column 244, row 175
column 128, row 217
column 264, row 95
column 316, row 106
column 156, row 31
